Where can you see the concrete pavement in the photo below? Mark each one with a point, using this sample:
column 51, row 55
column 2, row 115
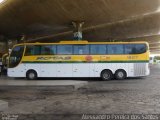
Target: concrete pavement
column 129, row 96
column 3, row 105
column 11, row 82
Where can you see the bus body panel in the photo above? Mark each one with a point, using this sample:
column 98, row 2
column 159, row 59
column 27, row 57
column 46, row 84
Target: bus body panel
column 63, row 70
column 80, row 70
column 18, row 71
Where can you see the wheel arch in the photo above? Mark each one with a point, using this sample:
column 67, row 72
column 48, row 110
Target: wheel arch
column 122, row 70
column 31, row 70
column 106, row 70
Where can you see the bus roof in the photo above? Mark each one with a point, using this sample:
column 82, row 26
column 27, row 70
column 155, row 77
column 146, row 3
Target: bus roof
column 81, row 42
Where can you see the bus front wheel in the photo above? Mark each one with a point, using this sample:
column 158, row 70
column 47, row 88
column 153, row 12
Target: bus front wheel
column 106, row 75
column 31, row 75
column 120, row 74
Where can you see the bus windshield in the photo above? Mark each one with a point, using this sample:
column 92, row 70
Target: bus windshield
column 16, row 56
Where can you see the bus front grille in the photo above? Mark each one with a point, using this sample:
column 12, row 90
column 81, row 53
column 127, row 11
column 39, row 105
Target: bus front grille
column 139, row 69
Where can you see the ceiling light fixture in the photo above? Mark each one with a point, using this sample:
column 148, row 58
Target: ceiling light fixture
column 1, row 1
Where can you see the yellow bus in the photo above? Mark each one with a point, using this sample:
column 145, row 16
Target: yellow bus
column 107, row 60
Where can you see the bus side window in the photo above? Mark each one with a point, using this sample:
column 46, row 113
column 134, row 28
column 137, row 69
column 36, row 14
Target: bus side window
column 48, row 49
column 135, row 49
column 98, row 49
column 115, row 49
column 128, row 49
column 64, row 49
column 32, row 50
column 81, row 49
column 29, row 51
column 141, row 48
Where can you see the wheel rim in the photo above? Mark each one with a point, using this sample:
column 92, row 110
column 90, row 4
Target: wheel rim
column 120, row 74
column 31, row 75
column 106, row 75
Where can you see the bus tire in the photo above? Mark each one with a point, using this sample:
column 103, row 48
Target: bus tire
column 120, row 74
column 106, row 75
column 31, row 75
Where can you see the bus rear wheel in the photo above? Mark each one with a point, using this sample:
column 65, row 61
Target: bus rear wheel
column 106, row 75
column 120, row 74
column 31, row 75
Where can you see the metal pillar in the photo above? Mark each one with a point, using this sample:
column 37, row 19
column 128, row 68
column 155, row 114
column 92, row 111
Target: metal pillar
column 77, row 32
